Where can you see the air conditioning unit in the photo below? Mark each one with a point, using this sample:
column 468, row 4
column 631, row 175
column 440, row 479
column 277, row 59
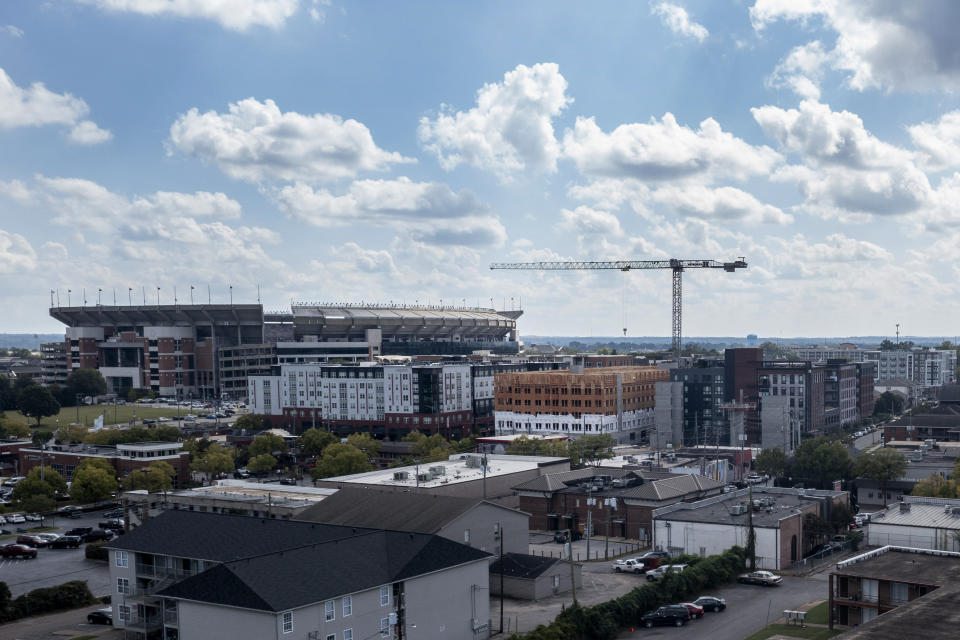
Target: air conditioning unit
column 438, row 470
column 400, row 475
column 423, row 477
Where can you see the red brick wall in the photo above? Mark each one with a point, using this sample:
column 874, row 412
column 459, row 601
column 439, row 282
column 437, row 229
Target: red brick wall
column 181, row 464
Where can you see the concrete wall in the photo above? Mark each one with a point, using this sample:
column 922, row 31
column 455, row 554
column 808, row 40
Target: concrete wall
column 481, row 522
column 449, row 605
column 710, row 539
column 199, row 621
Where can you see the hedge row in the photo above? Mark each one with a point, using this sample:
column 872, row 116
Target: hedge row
column 606, row 620
column 68, row 595
column 96, row 551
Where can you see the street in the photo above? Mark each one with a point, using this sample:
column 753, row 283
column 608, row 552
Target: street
column 55, row 566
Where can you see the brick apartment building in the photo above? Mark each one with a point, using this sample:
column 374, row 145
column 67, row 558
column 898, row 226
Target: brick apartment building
column 802, row 383
column 614, row 400
column 124, row 458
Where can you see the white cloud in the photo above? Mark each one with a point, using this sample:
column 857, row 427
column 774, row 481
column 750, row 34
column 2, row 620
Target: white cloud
column 357, row 258
column 725, row 203
column 88, row 132
column 677, row 19
column 256, row 142
column 428, row 211
column 38, row 106
column 16, row 254
column 882, row 44
column 237, row 15
column 510, row 129
column 801, row 71
column 938, row 142
column 585, row 220
column 12, row 30
column 664, row 151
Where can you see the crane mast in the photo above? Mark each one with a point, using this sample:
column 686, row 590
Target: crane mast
column 677, row 266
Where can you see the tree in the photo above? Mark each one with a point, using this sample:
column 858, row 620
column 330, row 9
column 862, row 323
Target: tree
column 888, row 402
column 72, row 433
column 8, row 398
column 262, row 463
column 823, row 459
column 93, row 482
column 37, row 402
column 881, row 466
column 772, row 462
column 935, row 486
column 10, row 429
column 816, row 528
column 250, row 422
column 314, row 441
column 266, row 443
column 591, row 449
column 432, row 448
column 51, row 477
column 156, row 477
column 216, row 459
column 340, row 460
column 370, row 446
column 86, row 382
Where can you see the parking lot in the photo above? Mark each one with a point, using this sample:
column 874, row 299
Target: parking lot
column 55, row 566
column 542, row 544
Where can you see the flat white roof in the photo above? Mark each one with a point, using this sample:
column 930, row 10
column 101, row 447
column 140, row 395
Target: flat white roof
column 456, row 470
column 924, row 512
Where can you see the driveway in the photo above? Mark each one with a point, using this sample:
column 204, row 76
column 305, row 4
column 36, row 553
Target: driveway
column 66, row 624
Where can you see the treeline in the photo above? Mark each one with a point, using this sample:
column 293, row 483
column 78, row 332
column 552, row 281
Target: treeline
column 68, row 595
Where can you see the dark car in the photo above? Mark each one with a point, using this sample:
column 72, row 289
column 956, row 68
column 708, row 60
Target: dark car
column 97, row 535
column 149, row 421
column 114, row 513
column 66, row 542
column 655, row 554
column 711, row 603
column 17, row 550
column 288, row 481
column 101, row 616
column 561, row 536
column 78, row 531
column 113, row 524
column 675, row 615
column 31, row 541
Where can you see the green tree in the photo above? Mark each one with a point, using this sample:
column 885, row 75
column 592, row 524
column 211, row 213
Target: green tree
column 93, row 482
column 215, row 460
column 815, row 528
column 8, row 398
column 823, row 459
column 156, row 477
column 35, row 495
column 51, row 477
column 38, row 503
column 935, row 486
column 37, row 402
column 888, row 402
column 72, row 433
column 881, row 466
column 591, row 449
column 314, row 441
column 86, row 382
column 250, row 422
column 432, row 448
column 262, row 463
column 370, row 446
column 10, row 429
column 772, row 462
column 266, row 443
column 524, row 446
column 340, row 460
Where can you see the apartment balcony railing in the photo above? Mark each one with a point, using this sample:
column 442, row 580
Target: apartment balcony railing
column 145, row 623
column 872, row 601
column 170, row 617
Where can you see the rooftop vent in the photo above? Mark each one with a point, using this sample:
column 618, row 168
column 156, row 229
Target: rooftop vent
column 904, row 507
column 400, row 475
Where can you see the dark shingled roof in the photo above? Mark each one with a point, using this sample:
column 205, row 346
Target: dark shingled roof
column 522, row 565
column 557, row 481
column 275, row 565
column 424, row 513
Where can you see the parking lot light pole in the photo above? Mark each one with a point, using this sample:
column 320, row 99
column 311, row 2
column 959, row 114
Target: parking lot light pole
column 573, row 578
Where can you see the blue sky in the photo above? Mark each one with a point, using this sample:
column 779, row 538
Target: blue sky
column 384, row 151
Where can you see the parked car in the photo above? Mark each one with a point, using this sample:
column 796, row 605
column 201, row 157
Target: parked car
column 696, row 611
column 31, row 540
column 671, row 614
column 635, row 565
column 114, row 513
column 78, row 531
column 163, row 419
column 34, row 517
column 662, row 570
column 97, row 535
column 765, row 578
column 711, row 603
column 101, row 616
column 66, row 542
column 149, row 421
column 561, row 536
column 16, row 518
column 211, row 416
column 655, row 554
column 113, row 524
column 288, row 481
column 17, row 550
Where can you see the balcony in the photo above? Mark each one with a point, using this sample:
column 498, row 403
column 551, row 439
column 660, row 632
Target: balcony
column 145, row 623
column 860, row 600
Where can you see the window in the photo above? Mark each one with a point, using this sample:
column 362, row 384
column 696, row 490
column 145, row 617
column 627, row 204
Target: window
column 384, row 627
column 466, row 536
column 331, row 636
column 288, row 622
column 330, row 613
column 121, row 558
column 347, row 606
column 348, row 634
column 123, row 611
column 384, row 596
column 123, row 586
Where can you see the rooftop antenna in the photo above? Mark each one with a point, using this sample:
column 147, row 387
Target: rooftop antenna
column 898, row 336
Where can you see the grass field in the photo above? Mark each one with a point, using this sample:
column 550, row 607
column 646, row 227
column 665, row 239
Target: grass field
column 88, row 414
column 818, row 614
column 793, row 631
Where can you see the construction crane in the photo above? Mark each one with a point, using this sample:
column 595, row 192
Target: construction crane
column 677, row 266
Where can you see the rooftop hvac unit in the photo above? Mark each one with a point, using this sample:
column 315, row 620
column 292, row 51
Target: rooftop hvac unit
column 617, row 483
column 631, row 459
column 473, row 462
column 904, row 507
column 400, row 475
column 423, row 477
column 438, row 470
column 955, row 512
column 736, row 509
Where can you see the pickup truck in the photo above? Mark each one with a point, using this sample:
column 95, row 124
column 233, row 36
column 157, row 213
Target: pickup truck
column 764, row 578
column 635, row 565
column 655, row 574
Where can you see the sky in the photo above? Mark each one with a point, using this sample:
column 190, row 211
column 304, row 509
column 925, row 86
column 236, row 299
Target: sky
column 314, row 150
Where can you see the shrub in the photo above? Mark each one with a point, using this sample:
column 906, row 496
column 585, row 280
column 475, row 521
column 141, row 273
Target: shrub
column 95, row 551
column 605, row 620
column 68, row 595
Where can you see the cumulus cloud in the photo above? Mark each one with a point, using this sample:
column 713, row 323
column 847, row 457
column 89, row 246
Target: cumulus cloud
column 677, row 19
column 801, row 71
column 938, row 142
column 881, row 44
column 236, row 15
column 12, row 30
column 429, row 211
column 255, row 141
column 585, row 220
column 725, row 203
column 37, row 106
column 16, row 254
column 510, row 129
column 356, row 257
column 664, row 150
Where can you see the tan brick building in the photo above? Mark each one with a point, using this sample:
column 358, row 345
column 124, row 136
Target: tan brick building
column 614, row 400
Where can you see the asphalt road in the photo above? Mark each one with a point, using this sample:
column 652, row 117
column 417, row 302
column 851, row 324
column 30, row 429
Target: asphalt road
column 67, row 624
column 749, row 609
column 864, row 442
column 55, row 566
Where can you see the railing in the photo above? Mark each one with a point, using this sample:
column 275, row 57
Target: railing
column 170, row 617
column 147, row 622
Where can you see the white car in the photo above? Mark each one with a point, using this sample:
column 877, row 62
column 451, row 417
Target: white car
column 162, row 419
column 33, row 517
column 16, row 518
column 633, row 565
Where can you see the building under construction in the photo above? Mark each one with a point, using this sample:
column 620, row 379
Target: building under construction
column 615, row 400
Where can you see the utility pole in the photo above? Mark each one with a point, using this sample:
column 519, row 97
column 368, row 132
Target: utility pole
column 590, row 503
column 500, row 531
column 573, row 577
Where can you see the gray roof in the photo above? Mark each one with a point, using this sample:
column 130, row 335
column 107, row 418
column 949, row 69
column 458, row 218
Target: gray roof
column 677, row 486
column 717, row 509
column 557, row 481
column 950, row 393
column 424, row 513
column 522, row 565
column 656, row 485
column 924, row 512
column 913, row 566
